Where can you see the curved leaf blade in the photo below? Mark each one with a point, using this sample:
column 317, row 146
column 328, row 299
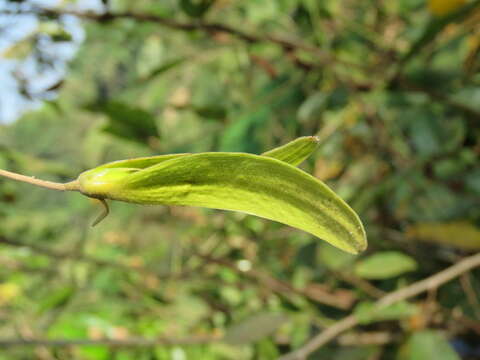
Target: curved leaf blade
column 296, row 151
column 253, row 184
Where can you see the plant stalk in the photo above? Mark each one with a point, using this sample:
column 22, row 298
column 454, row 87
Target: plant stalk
column 70, row 186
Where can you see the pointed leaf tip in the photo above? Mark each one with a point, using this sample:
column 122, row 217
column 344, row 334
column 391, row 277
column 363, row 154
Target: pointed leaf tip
column 296, row 151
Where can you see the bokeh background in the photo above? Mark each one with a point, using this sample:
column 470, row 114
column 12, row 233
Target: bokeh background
column 391, row 88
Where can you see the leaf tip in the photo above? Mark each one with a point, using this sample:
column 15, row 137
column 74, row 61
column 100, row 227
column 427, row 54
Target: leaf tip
column 358, row 242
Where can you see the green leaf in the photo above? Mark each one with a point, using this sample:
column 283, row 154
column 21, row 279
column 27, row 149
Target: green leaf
column 425, row 134
column 253, row 184
column 127, row 122
column 368, row 313
column 385, row 265
column 164, row 68
column 213, row 112
column 240, row 135
column 312, row 107
column 427, row 344
column 57, row 299
column 196, row 8
column 295, row 152
column 460, row 234
column 254, row 328
column 333, row 258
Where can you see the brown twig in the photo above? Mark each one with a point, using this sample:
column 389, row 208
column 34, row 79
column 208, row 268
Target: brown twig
column 289, row 47
column 131, row 342
column 360, row 283
column 367, row 338
column 470, row 293
column 417, row 288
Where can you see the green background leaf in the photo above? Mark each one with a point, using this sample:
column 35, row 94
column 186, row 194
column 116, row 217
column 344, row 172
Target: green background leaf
column 427, row 344
column 384, row 265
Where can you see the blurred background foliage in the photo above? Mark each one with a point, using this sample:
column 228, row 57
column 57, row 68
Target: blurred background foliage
column 392, row 88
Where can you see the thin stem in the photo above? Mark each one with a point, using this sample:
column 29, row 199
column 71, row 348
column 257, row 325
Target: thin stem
column 71, row 186
column 129, row 342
